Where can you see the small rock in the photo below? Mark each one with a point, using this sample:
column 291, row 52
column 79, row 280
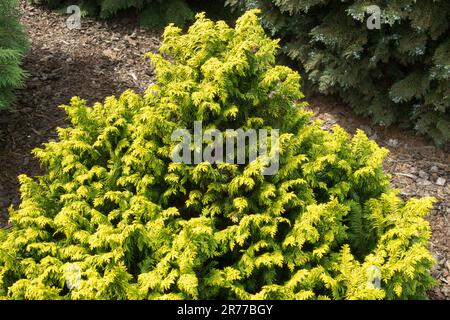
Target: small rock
column 423, row 174
column 423, row 182
column 392, row 143
column 434, row 169
column 411, row 168
column 441, row 181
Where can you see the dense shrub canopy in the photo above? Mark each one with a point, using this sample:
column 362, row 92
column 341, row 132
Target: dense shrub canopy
column 13, row 44
column 397, row 74
column 133, row 224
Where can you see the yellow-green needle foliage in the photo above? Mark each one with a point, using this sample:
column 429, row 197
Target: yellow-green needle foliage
column 128, row 223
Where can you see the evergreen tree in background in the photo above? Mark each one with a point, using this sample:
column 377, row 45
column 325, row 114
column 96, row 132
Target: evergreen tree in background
column 397, row 74
column 13, row 45
column 115, row 218
column 152, row 13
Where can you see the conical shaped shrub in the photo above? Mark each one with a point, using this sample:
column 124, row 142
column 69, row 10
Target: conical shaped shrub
column 116, row 218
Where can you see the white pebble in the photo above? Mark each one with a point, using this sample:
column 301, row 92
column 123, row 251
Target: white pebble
column 441, row 181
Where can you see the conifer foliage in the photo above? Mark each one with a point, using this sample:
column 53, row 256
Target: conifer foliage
column 13, row 44
column 152, row 13
column 397, row 74
column 125, row 222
